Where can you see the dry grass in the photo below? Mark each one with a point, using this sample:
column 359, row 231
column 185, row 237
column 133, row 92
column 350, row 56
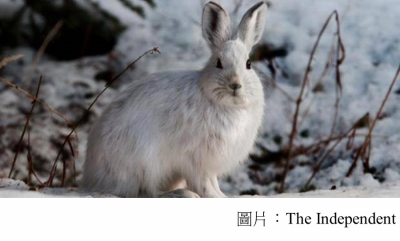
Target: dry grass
column 67, row 139
column 322, row 148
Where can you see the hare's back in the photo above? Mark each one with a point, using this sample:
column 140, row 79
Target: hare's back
column 155, row 102
column 160, row 89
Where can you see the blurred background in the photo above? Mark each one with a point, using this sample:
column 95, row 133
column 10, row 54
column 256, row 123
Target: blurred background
column 338, row 138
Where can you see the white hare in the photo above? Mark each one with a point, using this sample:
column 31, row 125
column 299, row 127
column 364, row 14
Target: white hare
column 183, row 129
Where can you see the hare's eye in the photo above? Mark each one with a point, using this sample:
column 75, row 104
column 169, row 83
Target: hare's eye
column 248, row 64
column 219, row 64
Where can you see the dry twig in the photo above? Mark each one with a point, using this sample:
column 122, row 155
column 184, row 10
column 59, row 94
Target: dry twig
column 33, row 98
column 9, row 59
column 25, row 128
column 348, row 134
column 340, row 58
column 43, row 48
column 31, row 169
column 365, row 150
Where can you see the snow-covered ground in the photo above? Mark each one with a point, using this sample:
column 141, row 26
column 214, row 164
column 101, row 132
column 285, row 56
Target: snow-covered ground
column 16, row 189
column 370, row 33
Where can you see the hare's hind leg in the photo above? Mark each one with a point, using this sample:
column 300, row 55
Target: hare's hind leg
column 173, row 186
column 177, row 189
column 215, row 184
column 205, row 186
column 180, row 193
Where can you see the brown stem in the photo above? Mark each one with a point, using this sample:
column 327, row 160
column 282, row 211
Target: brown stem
column 367, row 141
column 299, row 101
column 25, row 128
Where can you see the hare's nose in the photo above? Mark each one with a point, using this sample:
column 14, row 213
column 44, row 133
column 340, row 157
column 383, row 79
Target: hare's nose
column 235, row 86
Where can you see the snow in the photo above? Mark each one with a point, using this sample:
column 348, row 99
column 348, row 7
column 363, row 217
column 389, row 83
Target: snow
column 10, row 188
column 9, row 7
column 384, row 191
column 16, row 189
column 370, row 33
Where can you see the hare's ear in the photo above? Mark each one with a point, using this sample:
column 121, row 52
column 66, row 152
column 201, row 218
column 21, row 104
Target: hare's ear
column 216, row 25
column 251, row 27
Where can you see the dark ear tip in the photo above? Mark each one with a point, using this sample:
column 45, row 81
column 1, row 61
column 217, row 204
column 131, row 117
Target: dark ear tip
column 259, row 4
column 214, row 4
column 262, row 3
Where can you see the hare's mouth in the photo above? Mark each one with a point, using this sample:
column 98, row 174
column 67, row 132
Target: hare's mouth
column 236, row 93
column 238, row 98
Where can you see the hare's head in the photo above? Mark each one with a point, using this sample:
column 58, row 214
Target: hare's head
column 228, row 77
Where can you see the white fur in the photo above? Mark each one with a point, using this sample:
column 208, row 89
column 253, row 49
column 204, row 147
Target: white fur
column 181, row 129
